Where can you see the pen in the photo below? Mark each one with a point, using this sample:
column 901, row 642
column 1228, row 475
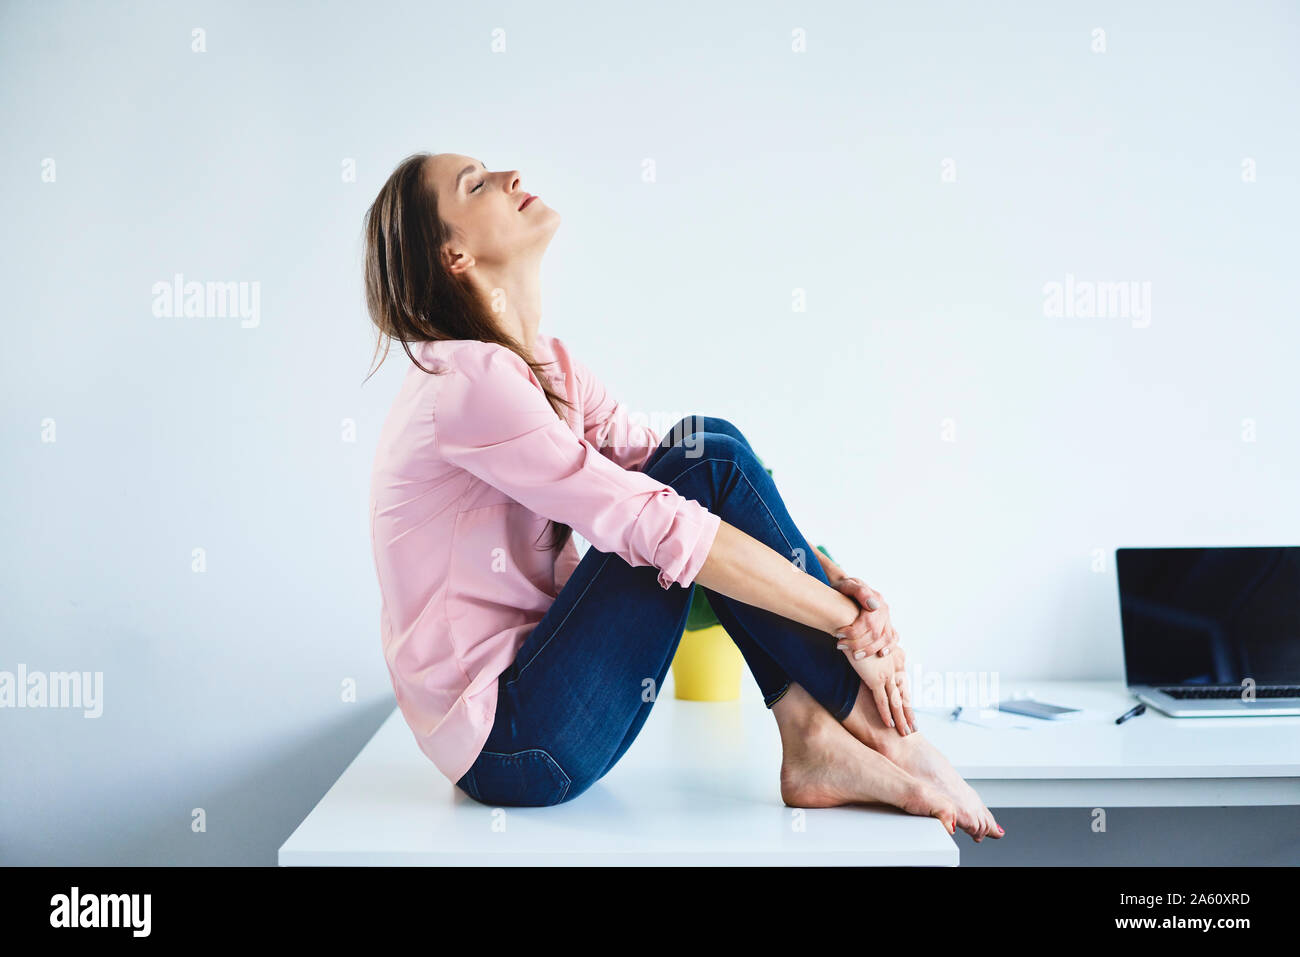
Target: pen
column 1131, row 713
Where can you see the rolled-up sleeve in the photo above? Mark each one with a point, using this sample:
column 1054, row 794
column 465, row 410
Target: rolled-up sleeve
column 492, row 419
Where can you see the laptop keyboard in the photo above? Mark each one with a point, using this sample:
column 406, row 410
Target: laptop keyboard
column 1264, row 691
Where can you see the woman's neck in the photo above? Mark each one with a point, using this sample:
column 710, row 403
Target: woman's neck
column 515, row 302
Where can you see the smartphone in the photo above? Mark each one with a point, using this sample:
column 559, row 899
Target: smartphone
column 1036, row 709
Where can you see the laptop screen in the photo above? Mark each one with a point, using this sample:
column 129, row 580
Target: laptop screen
column 1210, row 616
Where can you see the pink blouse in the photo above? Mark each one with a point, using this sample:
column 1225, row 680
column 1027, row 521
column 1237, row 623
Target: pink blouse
column 470, row 465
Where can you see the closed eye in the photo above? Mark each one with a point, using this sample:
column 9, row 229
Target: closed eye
column 480, row 186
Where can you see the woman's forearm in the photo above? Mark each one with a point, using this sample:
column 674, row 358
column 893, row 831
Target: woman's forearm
column 741, row 567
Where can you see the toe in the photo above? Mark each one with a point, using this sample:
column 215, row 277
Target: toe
column 990, row 825
column 946, row 812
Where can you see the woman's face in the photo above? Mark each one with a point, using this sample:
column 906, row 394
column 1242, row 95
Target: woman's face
column 490, row 224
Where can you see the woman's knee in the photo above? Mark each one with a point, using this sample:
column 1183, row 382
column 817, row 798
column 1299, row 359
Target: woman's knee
column 724, row 445
column 700, row 469
column 693, row 424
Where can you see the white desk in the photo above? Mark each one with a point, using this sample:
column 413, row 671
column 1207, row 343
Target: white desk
column 1148, row 761
column 700, row 785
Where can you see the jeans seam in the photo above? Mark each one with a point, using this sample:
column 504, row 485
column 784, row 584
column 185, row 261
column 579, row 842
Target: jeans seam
column 556, row 630
column 772, row 517
column 779, row 695
column 567, row 780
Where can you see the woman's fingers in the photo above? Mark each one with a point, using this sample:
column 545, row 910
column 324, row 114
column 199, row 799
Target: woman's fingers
column 870, row 631
column 866, row 597
column 860, row 590
column 856, row 635
column 882, row 704
column 900, row 679
column 863, row 638
column 864, row 635
column 896, row 705
column 864, row 647
column 879, row 643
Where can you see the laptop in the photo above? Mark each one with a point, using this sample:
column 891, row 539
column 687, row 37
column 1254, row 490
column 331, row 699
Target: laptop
column 1201, row 624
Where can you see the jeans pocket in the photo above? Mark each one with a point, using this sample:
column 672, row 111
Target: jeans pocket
column 530, row 778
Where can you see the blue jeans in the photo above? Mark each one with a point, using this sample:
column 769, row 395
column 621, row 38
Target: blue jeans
column 583, row 681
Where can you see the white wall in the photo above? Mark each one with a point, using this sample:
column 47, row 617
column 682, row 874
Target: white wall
column 775, row 171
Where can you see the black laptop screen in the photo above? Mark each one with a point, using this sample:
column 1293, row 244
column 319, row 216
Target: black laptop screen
column 1211, row 616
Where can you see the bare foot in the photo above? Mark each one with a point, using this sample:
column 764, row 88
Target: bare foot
column 916, row 755
column 823, row 765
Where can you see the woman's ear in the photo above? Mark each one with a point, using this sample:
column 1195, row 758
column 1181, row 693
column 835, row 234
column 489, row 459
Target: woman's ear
column 456, row 261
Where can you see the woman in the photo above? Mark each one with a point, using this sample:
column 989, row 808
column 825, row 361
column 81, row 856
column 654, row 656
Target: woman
column 524, row 673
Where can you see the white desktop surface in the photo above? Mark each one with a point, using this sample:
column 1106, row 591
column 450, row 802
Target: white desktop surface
column 1152, row 760
column 699, row 786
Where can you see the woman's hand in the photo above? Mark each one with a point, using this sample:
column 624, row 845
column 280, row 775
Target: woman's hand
column 886, row 680
column 872, row 632
column 899, row 658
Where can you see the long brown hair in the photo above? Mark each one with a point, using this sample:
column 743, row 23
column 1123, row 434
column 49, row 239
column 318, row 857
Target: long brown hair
column 413, row 297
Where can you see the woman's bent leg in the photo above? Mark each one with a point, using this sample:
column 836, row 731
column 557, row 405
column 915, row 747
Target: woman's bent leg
column 721, row 471
column 689, row 433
